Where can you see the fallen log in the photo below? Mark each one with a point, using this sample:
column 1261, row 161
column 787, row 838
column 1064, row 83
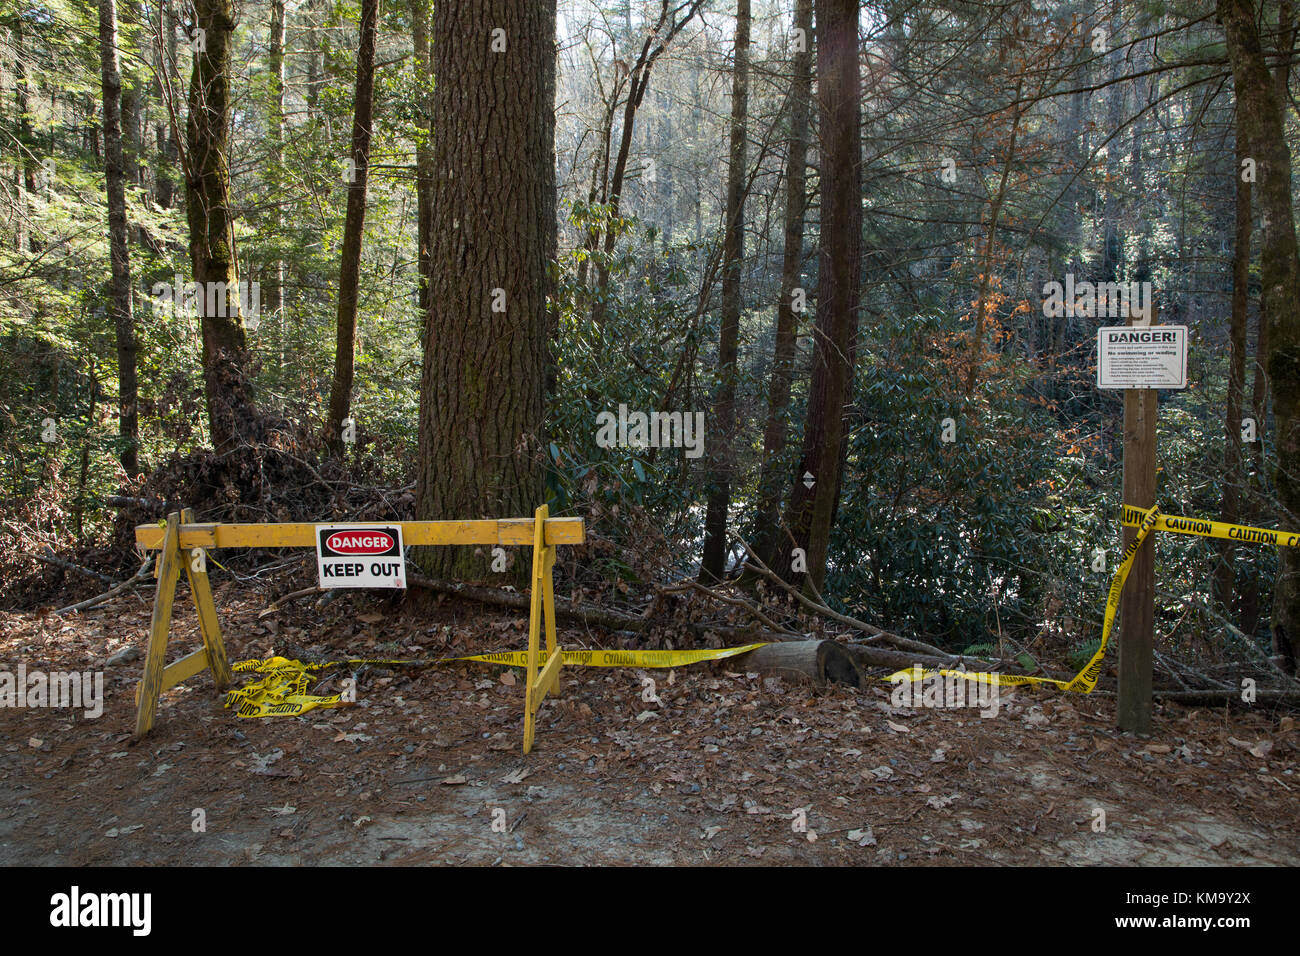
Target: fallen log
column 822, row 662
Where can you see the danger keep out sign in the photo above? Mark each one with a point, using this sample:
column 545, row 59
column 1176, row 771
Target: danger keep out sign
column 360, row 556
column 1153, row 356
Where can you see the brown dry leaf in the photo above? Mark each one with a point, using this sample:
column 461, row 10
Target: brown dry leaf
column 507, row 678
column 372, row 617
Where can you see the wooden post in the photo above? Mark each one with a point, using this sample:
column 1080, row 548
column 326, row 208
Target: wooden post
column 1137, row 601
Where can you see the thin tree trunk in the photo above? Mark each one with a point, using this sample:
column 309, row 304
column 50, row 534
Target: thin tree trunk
column 354, row 226
column 638, row 82
column 483, row 381
column 796, row 204
column 986, row 276
column 168, row 149
column 423, row 145
column 275, row 294
column 1258, row 100
column 812, row 510
column 722, row 451
column 119, row 248
column 1230, row 510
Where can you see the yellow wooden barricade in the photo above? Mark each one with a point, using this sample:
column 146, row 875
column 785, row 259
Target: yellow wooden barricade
column 182, row 541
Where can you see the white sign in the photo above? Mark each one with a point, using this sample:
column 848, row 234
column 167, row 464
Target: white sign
column 1153, row 356
column 360, row 556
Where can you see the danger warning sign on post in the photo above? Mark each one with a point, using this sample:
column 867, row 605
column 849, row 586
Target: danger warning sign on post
column 360, row 556
column 1153, row 356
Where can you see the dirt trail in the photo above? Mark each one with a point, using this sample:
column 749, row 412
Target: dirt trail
column 724, row 768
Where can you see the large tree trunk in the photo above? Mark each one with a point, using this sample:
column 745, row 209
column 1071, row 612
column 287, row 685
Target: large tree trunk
column 229, row 391
column 493, row 245
column 1230, row 510
column 796, row 202
column 1258, row 101
column 119, row 248
column 354, row 226
column 1257, row 507
column 812, row 511
column 722, row 447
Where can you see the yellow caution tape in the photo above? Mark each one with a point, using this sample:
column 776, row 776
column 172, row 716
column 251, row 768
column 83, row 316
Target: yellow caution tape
column 281, row 691
column 617, row 658
column 1213, row 529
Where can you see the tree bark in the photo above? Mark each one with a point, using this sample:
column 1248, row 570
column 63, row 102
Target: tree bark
column 722, row 450
column 812, row 510
column 119, row 247
column 354, row 227
column 227, row 385
column 492, row 249
column 1258, row 100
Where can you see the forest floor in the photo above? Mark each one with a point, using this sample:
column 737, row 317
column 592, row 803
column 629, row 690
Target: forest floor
column 427, row 767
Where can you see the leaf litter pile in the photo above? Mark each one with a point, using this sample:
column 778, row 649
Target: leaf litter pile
column 706, row 766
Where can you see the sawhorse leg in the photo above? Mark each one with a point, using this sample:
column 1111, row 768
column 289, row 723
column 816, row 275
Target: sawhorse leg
column 541, row 615
column 151, row 683
column 157, row 677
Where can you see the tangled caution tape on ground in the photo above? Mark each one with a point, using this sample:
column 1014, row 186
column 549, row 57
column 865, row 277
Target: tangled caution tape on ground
column 281, row 689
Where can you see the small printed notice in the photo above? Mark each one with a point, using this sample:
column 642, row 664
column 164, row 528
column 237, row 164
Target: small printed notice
column 1153, row 356
column 360, row 556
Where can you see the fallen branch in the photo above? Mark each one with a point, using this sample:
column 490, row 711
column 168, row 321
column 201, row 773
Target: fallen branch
column 727, row 599
column 112, row 592
column 49, row 557
column 293, row 596
column 820, row 607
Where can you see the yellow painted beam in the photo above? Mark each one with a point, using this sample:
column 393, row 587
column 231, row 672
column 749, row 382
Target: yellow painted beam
column 516, row 531
column 180, row 670
column 548, row 680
